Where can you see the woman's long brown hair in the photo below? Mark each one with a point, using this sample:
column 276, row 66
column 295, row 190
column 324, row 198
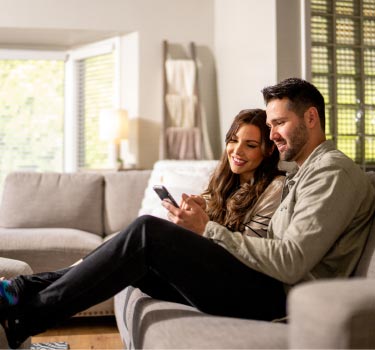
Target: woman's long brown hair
column 229, row 202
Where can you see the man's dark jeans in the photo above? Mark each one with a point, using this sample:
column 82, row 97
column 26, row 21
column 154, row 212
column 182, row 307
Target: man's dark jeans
column 165, row 261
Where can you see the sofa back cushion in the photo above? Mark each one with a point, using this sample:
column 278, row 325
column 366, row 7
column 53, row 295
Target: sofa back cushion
column 124, row 191
column 178, row 176
column 33, row 200
column 366, row 265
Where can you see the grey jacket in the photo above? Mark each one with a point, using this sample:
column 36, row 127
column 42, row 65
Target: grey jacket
column 320, row 228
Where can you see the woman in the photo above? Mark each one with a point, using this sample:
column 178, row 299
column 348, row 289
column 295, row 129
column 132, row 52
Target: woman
column 173, row 262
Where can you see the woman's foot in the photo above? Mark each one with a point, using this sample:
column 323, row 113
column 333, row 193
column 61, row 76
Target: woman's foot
column 9, row 298
column 8, row 294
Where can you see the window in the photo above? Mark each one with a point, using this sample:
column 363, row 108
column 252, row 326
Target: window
column 93, row 84
column 51, row 101
column 343, row 69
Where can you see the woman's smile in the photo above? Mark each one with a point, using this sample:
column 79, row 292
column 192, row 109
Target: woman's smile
column 237, row 161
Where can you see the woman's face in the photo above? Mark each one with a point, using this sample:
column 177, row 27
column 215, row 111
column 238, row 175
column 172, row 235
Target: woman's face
column 244, row 151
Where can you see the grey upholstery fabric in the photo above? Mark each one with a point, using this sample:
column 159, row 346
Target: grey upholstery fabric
column 123, row 197
column 366, row 265
column 51, row 220
column 333, row 314
column 63, row 200
column 155, row 324
column 47, row 248
column 10, row 268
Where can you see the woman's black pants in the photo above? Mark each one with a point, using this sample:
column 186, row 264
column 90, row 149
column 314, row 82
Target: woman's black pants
column 165, row 261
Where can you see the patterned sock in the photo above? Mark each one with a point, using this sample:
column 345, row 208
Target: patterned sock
column 8, row 292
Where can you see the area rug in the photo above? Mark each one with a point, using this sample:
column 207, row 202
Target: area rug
column 50, row 345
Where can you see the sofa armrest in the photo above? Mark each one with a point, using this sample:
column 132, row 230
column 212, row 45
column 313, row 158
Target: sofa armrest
column 11, row 268
column 332, row 314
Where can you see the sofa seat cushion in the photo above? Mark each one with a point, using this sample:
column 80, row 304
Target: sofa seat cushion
column 33, row 200
column 148, row 323
column 47, row 248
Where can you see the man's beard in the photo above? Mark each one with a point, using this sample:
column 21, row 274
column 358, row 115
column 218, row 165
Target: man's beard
column 297, row 140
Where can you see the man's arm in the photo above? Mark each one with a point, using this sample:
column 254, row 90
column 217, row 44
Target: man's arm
column 324, row 208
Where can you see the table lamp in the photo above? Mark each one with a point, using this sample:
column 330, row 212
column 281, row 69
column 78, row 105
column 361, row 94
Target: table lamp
column 114, row 128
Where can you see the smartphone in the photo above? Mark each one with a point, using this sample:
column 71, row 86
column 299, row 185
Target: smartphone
column 163, row 193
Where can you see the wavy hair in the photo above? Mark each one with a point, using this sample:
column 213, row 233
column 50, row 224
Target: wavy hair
column 229, row 202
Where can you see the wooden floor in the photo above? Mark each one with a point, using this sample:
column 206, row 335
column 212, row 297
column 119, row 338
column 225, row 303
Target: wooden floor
column 85, row 333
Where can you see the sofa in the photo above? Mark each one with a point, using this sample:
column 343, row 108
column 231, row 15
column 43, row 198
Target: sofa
column 52, row 220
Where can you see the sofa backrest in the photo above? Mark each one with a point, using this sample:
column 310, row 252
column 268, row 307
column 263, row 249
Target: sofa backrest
column 366, row 265
column 123, row 195
column 178, row 176
column 33, row 200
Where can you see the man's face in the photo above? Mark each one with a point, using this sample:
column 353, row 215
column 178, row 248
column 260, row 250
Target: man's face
column 288, row 131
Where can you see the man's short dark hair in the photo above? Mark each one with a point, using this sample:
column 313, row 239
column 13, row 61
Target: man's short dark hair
column 302, row 95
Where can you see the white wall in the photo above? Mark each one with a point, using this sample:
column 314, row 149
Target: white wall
column 154, row 20
column 245, row 49
column 241, row 34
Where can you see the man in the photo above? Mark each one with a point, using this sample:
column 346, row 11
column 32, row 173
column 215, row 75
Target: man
column 322, row 224
column 318, row 231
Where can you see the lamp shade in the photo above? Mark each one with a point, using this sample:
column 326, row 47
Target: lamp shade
column 113, row 125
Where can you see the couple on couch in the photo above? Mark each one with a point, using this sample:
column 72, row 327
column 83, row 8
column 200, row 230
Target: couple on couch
column 224, row 245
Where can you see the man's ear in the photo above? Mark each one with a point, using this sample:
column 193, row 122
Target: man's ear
column 311, row 117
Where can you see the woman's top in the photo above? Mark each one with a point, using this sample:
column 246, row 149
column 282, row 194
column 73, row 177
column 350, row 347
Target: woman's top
column 259, row 216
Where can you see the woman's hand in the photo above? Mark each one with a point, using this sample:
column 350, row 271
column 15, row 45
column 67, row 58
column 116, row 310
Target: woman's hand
column 190, row 215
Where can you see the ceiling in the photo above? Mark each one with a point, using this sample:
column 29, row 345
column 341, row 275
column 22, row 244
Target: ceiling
column 50, row 38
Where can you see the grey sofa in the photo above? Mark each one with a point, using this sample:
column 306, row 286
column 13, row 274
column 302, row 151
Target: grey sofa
column 51, row 220
column 324, row 314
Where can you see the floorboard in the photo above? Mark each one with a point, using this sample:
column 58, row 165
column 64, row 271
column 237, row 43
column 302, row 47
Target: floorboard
column 85, row 333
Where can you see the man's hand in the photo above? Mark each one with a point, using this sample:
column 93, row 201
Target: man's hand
column 190, row 215
column 199, row 200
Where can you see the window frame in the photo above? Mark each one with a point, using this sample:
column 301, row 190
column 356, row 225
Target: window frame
column 122, row 93
column 71, row 118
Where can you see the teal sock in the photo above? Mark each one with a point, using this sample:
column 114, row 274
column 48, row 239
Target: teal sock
column 8, row 292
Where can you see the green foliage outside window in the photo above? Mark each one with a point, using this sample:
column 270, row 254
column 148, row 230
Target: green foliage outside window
column 31, row 115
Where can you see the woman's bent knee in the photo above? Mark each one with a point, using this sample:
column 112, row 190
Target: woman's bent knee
column 148, row 221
